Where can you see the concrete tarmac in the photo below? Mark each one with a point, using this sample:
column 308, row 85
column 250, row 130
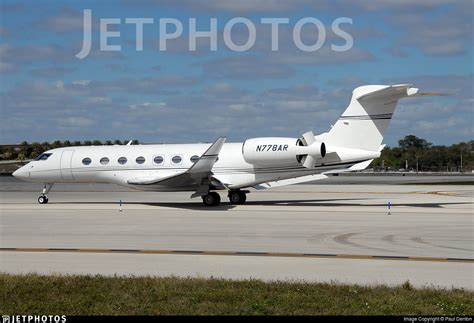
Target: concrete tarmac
column 434, row 221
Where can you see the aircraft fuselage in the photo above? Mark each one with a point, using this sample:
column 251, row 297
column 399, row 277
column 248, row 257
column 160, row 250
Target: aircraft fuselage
column 118, row 164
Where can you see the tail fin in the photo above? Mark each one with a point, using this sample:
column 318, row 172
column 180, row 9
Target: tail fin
column 364, row 122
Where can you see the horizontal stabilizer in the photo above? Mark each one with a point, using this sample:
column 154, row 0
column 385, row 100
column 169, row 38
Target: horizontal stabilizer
column 398, row 91
column 363, row 124
column 431, row 94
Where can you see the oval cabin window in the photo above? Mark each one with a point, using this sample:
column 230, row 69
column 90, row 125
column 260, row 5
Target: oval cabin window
column 176, row 159
column 158, row 160
column 87, row 161
column 122, row 160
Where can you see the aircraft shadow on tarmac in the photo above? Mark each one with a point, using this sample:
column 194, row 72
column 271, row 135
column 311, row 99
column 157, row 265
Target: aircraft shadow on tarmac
column 303, row 202
column 337, row 202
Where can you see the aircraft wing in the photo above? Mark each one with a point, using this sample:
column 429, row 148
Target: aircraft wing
column 207, row 160
column 290, row 181
column 359, row 166
column 200, row 174
column 316, row 177
column 148, row 180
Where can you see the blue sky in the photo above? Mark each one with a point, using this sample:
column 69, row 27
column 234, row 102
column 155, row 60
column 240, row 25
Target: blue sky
column 181, row 96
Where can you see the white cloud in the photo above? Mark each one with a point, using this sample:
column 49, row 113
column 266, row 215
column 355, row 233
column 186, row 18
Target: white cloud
column 7, row 67
column 78, row 122
column 50, row 72
column 4, row 32
column 81, row 82
column 252, row 6
column 67, row 20
column 246, row 68
column 449, row 34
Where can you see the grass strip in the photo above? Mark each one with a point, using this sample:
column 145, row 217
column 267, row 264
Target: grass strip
column 99, row 295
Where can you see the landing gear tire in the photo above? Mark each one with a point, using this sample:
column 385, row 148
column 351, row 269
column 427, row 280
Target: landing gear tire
column 42, row 199
column 237, row 197
column 211, row 199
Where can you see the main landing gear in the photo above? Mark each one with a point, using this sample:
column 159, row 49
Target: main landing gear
column 211, row 199
column 43, row 199
column 235, row 197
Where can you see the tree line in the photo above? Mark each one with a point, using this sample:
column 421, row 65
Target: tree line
column 417, row 154
column 412, row 153
column 25, row 150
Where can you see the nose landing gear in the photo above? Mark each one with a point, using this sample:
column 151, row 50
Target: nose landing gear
column 43, row 199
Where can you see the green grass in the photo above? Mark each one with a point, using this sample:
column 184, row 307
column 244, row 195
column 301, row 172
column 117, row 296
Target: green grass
column 82, row 295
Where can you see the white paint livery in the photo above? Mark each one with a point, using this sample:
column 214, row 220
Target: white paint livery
column 351, row 144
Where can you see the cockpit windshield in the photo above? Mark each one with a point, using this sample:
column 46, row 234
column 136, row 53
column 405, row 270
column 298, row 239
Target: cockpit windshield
column 43, row 156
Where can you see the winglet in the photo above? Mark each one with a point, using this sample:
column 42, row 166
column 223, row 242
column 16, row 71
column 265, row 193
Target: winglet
column 200, row 173
column 207, row 160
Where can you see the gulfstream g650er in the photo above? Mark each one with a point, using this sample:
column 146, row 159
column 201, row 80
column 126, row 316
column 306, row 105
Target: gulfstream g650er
column 351, row 144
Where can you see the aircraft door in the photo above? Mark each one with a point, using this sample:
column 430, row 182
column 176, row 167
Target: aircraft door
column 66, row 162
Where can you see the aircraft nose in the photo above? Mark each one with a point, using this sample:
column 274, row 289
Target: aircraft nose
column 20, row 173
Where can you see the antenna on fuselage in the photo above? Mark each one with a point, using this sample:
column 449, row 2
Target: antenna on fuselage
column 129, row 143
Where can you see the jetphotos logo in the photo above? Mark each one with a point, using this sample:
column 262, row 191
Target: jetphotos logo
column 171, row 29
column 33, row 318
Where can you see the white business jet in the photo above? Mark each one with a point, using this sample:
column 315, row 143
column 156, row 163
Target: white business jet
column 351, row 144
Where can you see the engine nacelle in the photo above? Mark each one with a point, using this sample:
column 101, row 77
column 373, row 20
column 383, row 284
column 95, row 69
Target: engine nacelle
column 271, row 151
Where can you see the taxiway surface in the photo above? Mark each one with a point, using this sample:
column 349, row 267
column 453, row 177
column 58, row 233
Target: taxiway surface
column 427, row 239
